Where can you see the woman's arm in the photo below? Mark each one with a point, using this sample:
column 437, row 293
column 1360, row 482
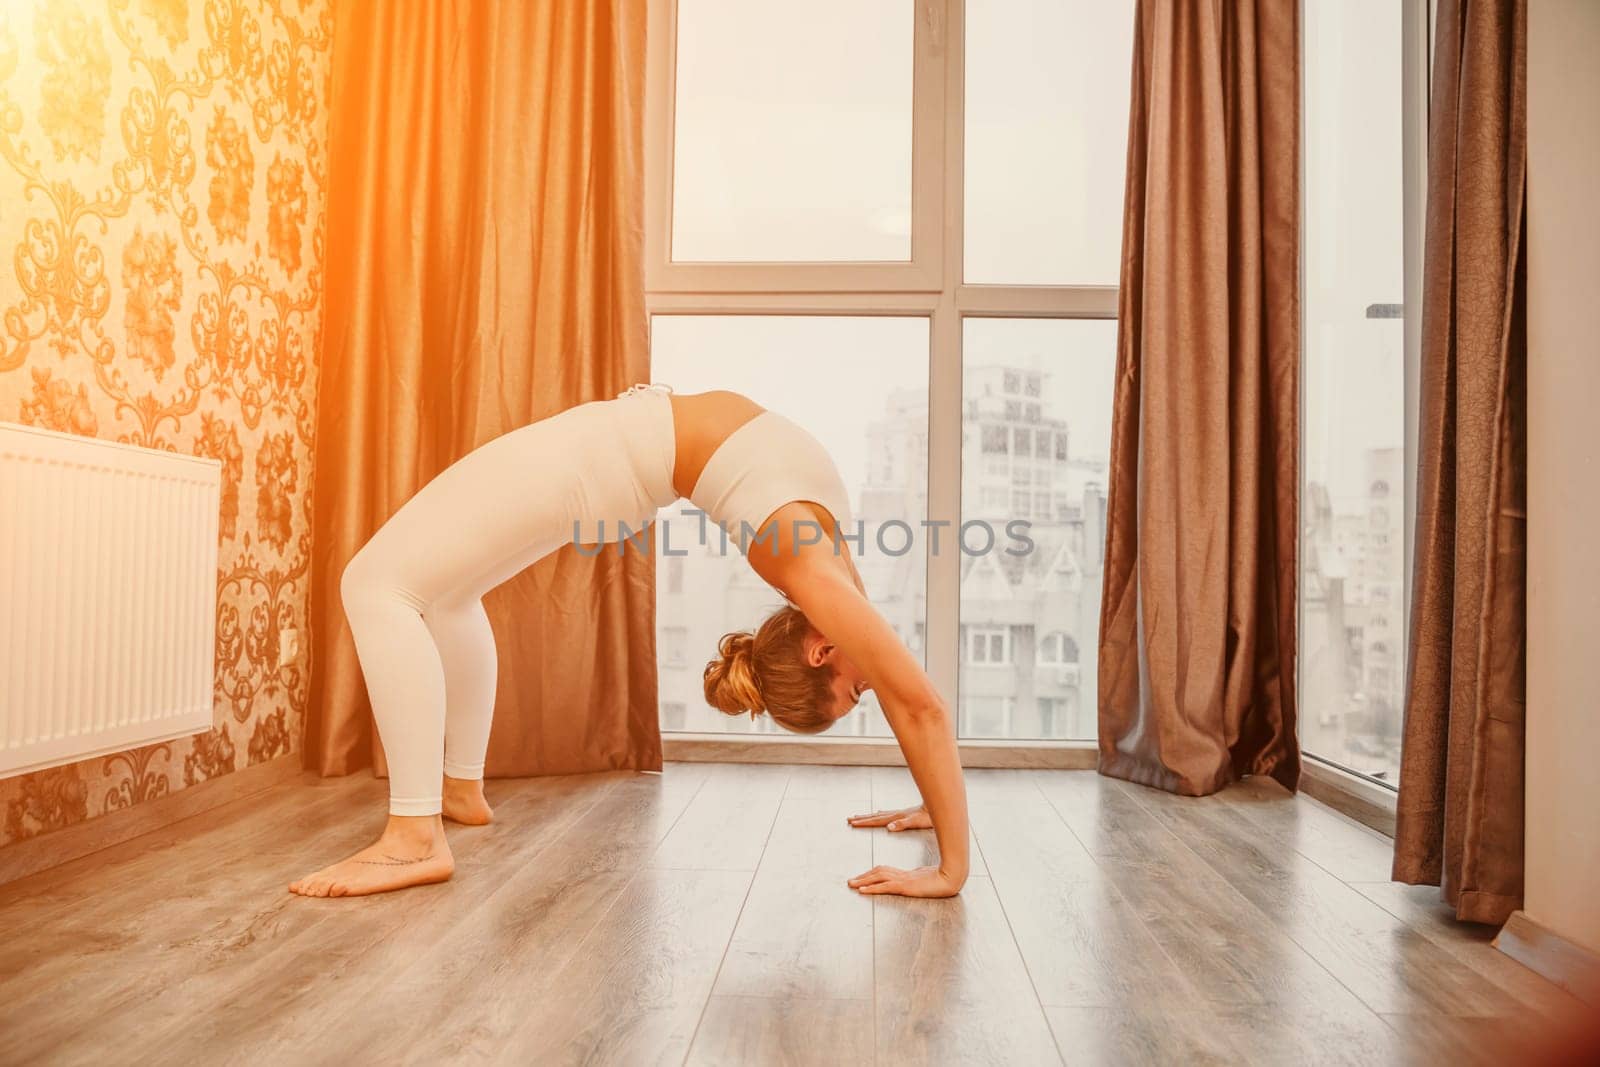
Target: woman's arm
column 914, row 708
column 855, row 575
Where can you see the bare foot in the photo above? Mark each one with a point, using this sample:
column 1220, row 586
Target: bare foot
column 412, row 851
column 464, row 803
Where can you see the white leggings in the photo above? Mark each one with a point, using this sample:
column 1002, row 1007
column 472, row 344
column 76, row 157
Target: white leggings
column 413, row 593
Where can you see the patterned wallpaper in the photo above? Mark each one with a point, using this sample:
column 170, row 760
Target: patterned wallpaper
column 162, row 170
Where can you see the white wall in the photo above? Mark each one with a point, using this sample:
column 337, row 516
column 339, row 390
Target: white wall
column 1563, row 755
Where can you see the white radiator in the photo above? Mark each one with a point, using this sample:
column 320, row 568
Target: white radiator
column 108, row 592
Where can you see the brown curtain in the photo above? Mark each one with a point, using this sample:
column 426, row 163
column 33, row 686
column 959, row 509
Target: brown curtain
column 1459, row 821
column 1197, row 626
column 485, row 268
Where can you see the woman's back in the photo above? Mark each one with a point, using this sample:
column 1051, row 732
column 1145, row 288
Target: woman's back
column 702, row 421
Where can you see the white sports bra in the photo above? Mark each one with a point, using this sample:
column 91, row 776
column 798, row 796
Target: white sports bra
column 762, row 465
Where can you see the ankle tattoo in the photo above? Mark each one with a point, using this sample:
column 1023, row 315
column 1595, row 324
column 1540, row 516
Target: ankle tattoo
column 396, row 861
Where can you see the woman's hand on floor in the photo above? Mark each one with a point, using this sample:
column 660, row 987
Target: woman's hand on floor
column 904, row 819
column 917, row 882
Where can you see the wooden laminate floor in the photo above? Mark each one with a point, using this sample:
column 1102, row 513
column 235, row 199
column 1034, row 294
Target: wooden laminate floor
column 702, row 916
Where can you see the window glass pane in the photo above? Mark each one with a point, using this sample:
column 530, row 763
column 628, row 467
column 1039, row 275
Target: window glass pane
column 860, row 385
column 792, row 137
column 1352, row 602
column 1046, row 139
column 1029, row 605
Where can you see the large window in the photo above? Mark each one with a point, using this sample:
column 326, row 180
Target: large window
column 898, row 223
column 1364, row 71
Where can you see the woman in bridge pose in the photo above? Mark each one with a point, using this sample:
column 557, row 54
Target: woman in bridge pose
column 413, row 596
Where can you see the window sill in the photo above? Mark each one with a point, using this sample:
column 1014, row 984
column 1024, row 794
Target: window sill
column 1349, row 794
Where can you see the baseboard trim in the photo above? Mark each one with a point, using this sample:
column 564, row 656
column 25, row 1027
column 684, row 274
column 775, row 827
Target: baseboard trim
column 36, row 854
column 711, row 748
column 1545, row 952
column 1349, row 794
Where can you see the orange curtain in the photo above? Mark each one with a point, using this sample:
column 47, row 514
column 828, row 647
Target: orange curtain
column 1459, row 819
column 1197, row 628
column 485, row 269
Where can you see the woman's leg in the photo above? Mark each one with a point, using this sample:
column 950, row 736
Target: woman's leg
column 404, row 674
column 406, row 683
column 461, row 632
column 483, row 519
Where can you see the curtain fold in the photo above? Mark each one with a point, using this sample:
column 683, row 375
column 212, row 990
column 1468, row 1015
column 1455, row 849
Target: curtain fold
column 485, row 269
column 1459, row 822
column 1197, row 627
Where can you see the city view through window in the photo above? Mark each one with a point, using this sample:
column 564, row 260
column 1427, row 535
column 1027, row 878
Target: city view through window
column 1035, row 433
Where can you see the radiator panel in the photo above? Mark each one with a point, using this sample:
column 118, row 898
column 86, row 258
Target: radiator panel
column 108, row 589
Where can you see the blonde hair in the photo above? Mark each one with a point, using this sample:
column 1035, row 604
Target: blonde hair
column 766, row 671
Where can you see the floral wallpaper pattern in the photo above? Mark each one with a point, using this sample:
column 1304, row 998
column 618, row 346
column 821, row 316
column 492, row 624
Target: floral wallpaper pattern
column 162, row 178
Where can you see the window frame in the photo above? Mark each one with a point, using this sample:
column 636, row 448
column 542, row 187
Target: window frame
column 929, row 286
column 921, row 273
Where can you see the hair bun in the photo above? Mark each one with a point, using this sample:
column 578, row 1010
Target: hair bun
column 730, row 680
